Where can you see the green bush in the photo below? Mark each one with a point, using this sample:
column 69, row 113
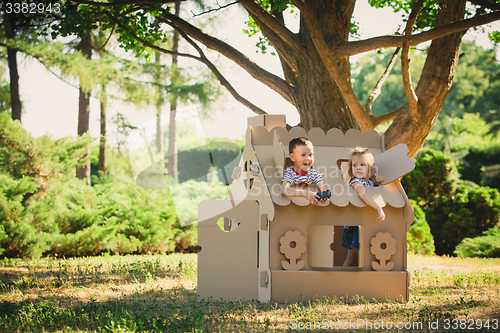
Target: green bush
column 486, row 246
column 433, row 177
column 491, row 176
column 114, row 216
column 471, row 211
column 17, row 233
column 452, row 212
column 471, row 167
column 44, row 209
column 420, row 240
column 77, row 220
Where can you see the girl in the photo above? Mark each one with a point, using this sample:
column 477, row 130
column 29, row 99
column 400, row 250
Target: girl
column 361, row 169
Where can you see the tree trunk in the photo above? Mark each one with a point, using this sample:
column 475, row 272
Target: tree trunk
column 83, row 172
column 158, row 104
column 102, row 144
column 316, row 94
column 15, row 100
column 172, row 140
column 317, row 98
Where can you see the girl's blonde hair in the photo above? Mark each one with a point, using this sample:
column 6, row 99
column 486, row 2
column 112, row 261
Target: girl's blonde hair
column 359, row 151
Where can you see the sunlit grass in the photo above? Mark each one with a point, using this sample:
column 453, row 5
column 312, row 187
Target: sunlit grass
column 158, row 293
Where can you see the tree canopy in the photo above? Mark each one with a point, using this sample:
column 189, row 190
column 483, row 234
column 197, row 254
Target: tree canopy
column 315, row 60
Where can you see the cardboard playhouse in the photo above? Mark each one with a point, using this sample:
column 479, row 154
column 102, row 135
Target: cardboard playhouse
column 259, row 244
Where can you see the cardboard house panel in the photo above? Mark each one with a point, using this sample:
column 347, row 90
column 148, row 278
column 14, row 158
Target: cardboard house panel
column 295, row 286
column 296, row 246
column 335, row 138
column 261, row 136
column 269, row 121
column 236, row 249
column 301, row 219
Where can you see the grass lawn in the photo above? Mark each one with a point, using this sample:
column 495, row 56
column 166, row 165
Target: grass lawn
column 158, row 294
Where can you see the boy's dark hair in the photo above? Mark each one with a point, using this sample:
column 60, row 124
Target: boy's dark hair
column 298, row 142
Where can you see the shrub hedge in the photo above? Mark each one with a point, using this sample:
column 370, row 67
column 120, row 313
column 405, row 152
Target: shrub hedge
column 453, row 212
column 419, row 239
column 45, row 210
column 486, row 246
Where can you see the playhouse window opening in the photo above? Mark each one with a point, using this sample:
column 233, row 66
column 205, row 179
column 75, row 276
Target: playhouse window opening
column 343, row 166
column 226, row 224
column 343, row 239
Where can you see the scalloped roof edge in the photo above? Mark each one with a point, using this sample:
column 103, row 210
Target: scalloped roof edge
column 332, row 138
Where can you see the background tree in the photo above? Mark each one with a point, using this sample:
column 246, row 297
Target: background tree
column 4, row 92
column 174, row 96
column 15, row 99
column 85, row 47
column 158, row 102
column 477, row 82
column 315, row 60
column 453, row 211
column 20, row 20
column 466, row 127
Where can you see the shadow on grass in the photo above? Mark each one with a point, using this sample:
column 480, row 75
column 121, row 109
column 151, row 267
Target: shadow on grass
column 21, row 280
column 176, row 310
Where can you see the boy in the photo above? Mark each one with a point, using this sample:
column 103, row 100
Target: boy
column 302, row 155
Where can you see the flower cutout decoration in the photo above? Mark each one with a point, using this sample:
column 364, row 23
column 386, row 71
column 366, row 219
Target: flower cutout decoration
column 292, row 245
column 383, row 247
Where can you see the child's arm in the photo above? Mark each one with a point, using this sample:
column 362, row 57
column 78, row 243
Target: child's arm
column 321, row 187
column 360, row 189
column 288, row 191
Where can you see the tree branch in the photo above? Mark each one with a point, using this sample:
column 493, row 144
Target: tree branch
column 202, row 59
column 385, row 117
column 347, row 49
column 269, row 23
column 285, row 52
column 215, row 9
column 145, row 42
column 334, row 70
column 223, row 81
column 405, row 61
column 274, row 82
column 124, row 2
column 486, row 4
column 47, row 67
column 289, row 70
column 378, row 87
column 107, row 41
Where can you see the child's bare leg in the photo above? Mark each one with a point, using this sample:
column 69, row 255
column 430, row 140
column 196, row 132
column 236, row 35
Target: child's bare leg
column 352, row 257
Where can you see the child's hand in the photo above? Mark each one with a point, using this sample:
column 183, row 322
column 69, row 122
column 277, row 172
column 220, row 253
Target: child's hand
column 312, row 197
column 379, row 179
column 381, row 214
column 324, row 200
